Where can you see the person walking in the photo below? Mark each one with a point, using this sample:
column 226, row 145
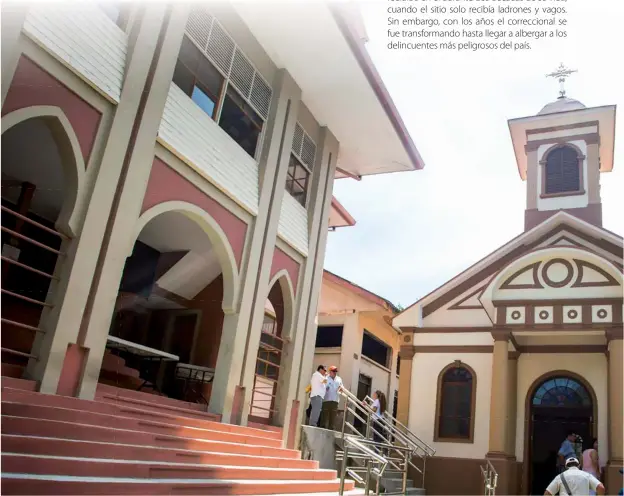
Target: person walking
column 330, row 402
column 574, row 482
column 379, row 407
column 590, row 460
column 318, row 385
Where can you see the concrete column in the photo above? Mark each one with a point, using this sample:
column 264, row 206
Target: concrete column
column 238, row 351
column 499, row 417
column 12, row 19
column 60, row 359
column 349, row 353
column 165, row 25
column 300, row 353
column 405, row 382
column 616, row 416
column 499, row 400
column 392, row 381
column 512, row 396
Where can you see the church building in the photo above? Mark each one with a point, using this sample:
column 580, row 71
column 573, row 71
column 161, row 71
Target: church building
column 507, row 357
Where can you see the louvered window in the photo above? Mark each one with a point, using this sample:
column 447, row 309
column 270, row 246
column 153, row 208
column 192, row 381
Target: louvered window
column 216, row 74
column 300, row 165
column 563, row 172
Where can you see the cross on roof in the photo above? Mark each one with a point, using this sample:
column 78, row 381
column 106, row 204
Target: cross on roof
column 561, row 74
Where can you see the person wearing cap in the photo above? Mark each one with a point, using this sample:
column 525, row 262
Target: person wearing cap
column 318, row 385
column 567, row 449
column 330, row 402
column 574, row 482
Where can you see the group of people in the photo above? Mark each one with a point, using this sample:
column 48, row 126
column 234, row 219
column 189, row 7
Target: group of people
column 577, row 477
column 324, row 390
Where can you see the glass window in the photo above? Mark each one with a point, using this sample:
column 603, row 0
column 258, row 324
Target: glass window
column 562, row 392
column 240, row 121
column 455, row 403
column 204, row 100
column 297, row 180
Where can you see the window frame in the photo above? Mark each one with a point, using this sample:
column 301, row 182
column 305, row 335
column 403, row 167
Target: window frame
column 580, row 161
column 473, row 402
column 306, row 190
column 222, row 94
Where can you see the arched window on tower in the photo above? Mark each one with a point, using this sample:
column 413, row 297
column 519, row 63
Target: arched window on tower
column 563, row 171
column 455, row 409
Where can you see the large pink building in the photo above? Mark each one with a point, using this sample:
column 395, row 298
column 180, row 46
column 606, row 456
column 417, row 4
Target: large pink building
column 165, row 171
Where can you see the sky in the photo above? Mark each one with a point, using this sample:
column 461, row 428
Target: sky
column 427, row 226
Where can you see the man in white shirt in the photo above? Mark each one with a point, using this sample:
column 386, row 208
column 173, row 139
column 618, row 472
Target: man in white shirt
column 318, row 384
column 330, row 403
column 574, row 482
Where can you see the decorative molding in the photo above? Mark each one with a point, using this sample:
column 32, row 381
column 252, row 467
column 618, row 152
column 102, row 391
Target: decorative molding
column 582, row 264
column 509, row 284
column 458, row 305
column 454, row 349
column 570, row 242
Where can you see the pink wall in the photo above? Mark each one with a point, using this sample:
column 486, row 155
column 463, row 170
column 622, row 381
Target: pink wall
column 282, row 261
column 165, row 184
column 32, row 86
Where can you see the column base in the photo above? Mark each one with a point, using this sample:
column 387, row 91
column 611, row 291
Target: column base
column 508, row 472
column 613, row 479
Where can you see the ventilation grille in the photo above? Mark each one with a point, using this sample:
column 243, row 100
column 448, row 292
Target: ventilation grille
column 222, row 51
column 303, row 147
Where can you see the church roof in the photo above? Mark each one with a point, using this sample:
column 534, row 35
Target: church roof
column 511, row 250
column 562, row 104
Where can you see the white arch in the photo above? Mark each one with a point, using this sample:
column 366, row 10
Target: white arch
column 288, row 295
column 543, row 254
column 218, row 240
column 71, row 157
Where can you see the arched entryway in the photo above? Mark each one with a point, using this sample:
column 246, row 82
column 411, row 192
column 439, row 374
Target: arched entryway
column 278, row 315
column 557, row 403
column 180, row 276
column 42, row 171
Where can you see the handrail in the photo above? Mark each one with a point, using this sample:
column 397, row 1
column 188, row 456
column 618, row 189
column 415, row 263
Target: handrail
column 398, row 444
column 490, row 478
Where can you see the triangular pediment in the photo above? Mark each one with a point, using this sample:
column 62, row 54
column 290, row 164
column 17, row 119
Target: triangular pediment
column 464, row 291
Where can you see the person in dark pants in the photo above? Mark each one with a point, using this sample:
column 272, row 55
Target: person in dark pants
column 330, row 402
column 379, row 406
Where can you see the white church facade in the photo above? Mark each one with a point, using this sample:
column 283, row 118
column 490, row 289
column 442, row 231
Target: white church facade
column 504, row 359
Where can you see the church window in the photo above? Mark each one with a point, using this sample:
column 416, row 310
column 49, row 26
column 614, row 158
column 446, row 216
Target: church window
column 563, row 172
column 455, row 404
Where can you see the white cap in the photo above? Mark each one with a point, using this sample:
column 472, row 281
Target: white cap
column 571, row 460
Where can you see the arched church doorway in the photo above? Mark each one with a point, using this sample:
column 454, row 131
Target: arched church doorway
column 41, row 166
column 560, row 403
column 168, row 319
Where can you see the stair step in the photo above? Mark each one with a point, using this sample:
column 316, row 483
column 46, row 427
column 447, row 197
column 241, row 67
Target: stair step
column 130, row 423
column 15, row 383
column 90, row 449
column 101, row 467
column 111, row 408
column 69, row 430
column 120, row 394
column 13, row 483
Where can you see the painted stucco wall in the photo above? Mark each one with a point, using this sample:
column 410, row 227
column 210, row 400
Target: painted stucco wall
column 592, row 367
column 425, row 370
column 453, row 339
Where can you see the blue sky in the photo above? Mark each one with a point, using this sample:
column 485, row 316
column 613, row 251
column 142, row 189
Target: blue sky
column 424, row 227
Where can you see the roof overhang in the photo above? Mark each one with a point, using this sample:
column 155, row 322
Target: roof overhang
column 322, row 47
column 605, row 116
column 338, row 215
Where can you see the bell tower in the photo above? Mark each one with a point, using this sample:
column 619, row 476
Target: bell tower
column 560, row 153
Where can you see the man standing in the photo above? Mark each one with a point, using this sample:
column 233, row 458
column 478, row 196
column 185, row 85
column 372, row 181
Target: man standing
column 567, row 449
column 330, row 404
column 318, row 385
column 574, row 482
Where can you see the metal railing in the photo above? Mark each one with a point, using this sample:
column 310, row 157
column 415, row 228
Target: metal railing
column 391, row 439
column 490, row 478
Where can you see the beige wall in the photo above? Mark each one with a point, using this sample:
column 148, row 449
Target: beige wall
column 425, row 370
column 592, row 367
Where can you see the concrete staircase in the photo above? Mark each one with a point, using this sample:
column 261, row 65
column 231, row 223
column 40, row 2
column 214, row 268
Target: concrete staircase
column 126, row 442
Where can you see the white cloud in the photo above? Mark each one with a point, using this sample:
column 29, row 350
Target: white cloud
column 416, row 230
